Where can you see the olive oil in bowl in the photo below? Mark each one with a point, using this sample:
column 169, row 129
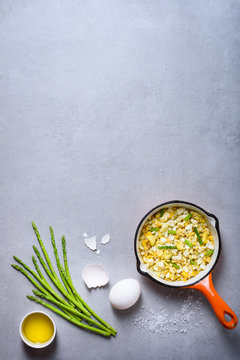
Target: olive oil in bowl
column 37, row 329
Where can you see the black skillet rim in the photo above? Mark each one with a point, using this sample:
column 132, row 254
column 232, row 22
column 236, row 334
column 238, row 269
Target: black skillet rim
column 177, row 202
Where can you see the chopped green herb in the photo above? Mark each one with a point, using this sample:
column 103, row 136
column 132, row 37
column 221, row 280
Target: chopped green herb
column 167, row 247
column 193, row 262
column 198, row 236
column 162, row 212
column 172, row 232
column 209, row 252
column 188, row 243
column 188, row 217
column 154, row 229
column 176, row 266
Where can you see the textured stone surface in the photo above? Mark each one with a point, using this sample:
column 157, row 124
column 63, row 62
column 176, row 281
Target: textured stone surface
column 109, row 108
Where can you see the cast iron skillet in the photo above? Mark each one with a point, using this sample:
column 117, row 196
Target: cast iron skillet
column 202, row 281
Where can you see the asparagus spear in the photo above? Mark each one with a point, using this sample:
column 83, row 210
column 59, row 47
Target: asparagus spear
column 58, row 261
column 52, row 274
column 43, row 249
column 167, row 247
column 188, row 243
column 69, row 280
column 209, row 252
column 52, row 271
column 187, row 217
column 37, row 267
column 69, row 317
column 58, row 284
column 38, row 286
column 173, row 232
column 193, row 262
column 198, row 236
column 59, row 265
column 43, row 282
column 48, row 295
column 41, row 275
column 70, row 309
column 175, row 265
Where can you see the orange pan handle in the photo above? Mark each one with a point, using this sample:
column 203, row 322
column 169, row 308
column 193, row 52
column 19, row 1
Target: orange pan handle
column 219, row 306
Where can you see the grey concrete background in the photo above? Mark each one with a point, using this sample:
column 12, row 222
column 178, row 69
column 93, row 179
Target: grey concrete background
column 109, row 108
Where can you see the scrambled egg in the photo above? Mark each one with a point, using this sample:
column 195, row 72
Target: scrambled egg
column 176, row 244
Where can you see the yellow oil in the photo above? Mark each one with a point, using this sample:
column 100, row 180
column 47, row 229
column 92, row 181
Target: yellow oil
column 37, row 328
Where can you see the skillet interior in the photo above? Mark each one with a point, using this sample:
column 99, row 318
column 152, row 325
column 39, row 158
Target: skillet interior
column 213, row 224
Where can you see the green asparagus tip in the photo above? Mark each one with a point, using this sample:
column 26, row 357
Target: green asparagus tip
column 63, row 241
column 62, row 271
column 36, row 250
column 36, row 292
column 34, row 225
column 19, row 260
column 16, row 266
column 30, row 297
column 16, row 258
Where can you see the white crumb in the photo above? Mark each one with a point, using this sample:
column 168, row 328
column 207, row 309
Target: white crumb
column 98, row 252
column 85, row 235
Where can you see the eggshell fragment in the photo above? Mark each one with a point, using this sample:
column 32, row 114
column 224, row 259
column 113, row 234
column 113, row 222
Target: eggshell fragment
column 91, row 243
column 124, row 294
column 105, row 239
column 95, row 276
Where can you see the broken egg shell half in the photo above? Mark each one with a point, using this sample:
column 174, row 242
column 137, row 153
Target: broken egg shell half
column 124, row 294
column 95, row 276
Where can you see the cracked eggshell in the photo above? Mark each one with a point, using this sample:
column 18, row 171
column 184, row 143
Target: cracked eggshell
column 95, row 276
column 91, row 242
column 105, row 239
column 124, row 294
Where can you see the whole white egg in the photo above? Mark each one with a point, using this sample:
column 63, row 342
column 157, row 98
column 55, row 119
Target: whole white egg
column 124, row 294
